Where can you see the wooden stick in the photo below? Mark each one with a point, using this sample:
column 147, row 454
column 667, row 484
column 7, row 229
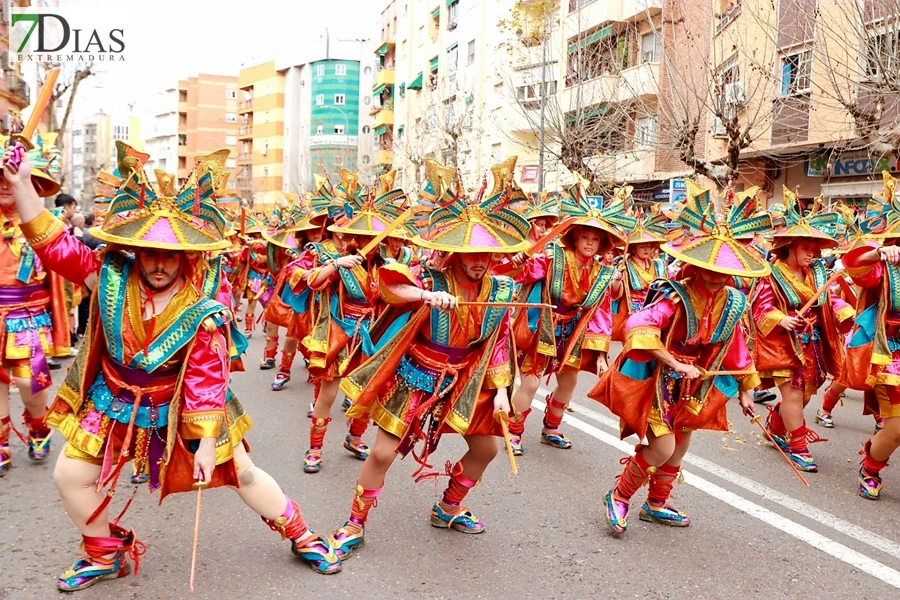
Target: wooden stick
column 507, row 304
column 199, row 487
column 707, row 374
column 819, row 292
column 395, row 224
column 503, row 418
column 40, row 104
column 754, row 418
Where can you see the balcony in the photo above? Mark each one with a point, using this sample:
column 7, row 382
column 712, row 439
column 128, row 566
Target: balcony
column 632, row 165
column 384, row 47
column 600, row 90
column 245, row 106
column 384, row 117
column 245, row 132
column 593, row 14
column 18, row 91
column 245, row 157
column 384, row 77
column 639, row 82
column 384, row 157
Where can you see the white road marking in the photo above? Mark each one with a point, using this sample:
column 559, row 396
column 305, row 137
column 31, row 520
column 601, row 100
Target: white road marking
column 804, row 534
column 825, row 518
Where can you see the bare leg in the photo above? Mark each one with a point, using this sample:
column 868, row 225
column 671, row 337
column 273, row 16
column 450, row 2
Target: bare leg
column 76, row 481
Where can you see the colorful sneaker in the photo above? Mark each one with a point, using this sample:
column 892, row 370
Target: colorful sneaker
column 785, row 447
column 461, row 519
column 346, row 404
column 348, row 538
column 139, row 478
column 804, row 461
column 5, row 460
column 664, row 515
column 281, row 380
column 824, row 419
column 879, row 425
column 869, row 485
column 515, row 442
column 310, row 411
column 356, row 447
column 38, row 448
column 318, row 553
column 616, row 513
column 97, row 564
column 267, row 363
column 312, row 463
column 556, row 439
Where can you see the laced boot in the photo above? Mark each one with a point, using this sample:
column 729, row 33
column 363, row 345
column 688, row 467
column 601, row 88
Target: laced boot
column 449, row 512
column 268, row 361
column 775, row 426
column 516, row 431
column 353, row 442
column 551, row 435
column 5, row 454
column 312, row 463
column 38, row 437
column 656, row 509
column 352, row 534
column 879, row 424
column 617, row 500
column 870, row 474
column 829, row 401
column 105, row 558
column 284, row 371
column 797, row 450
column 314, row 550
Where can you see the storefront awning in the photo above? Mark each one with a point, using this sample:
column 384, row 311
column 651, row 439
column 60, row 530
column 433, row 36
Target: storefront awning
column 434, row 64
column 595, row 37
column 377, row 91
column 851, row 189
column 380, row 130
column 382, row 50
column 415, row 84
column 436, row 13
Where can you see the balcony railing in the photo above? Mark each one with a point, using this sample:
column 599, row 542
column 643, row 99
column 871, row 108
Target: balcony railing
column 246, row 130
column 245, row 156
column 334, row 140
column 245, row 104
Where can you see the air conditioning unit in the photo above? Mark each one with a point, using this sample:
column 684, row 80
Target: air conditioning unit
column 452, row 25
column 718, row 128
column 734, row 94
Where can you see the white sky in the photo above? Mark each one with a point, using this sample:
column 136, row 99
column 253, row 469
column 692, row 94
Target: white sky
column 167, row 40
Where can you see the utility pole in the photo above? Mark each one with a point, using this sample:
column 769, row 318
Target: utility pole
column 543, row 88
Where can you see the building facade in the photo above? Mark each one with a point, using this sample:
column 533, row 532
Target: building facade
column 207, row 120
column 161, row 134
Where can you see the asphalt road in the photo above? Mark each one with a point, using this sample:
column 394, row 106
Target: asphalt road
column 756, row 531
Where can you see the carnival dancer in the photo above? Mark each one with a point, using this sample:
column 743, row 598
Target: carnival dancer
column 854, row 237
column 641, row 264
column 795, row 352
column 33, row 319
column 150, row 382
column 449, row 368
column 873, row 352
column 687, row 329
column 574, row 336
column 259, row 283
column 347, row 304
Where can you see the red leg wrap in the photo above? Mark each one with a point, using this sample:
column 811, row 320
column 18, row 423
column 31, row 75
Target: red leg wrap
column 797, row 440
column 518, row 427
column 120, row 541
column 358, row 426
column 5, row 428
column 635, row 474
column 552, row 420
column 458, row 487
column 291, row 524
column 364, row 501
column 830, row 400
column 35, row 426
column 872, row 466
column 661, row 484
column 317, row 430
column 774, row 423
column 287, row 361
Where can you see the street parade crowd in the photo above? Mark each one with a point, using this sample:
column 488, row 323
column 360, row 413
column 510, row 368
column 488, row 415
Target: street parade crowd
column 435, row 312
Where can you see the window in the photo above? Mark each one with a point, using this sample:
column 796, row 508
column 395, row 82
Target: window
column 452, row 58
column 453, row 15
column 231, row 94
column 182, row 95
column 340, row 70
column 320, row 70
column 366, row 130
column 471, row 52
column 320, row 99
column 230, row 163
column 339, row 99
column 367, row 100
column 265, row 171
column 339, row 129
column 403, row 49
column 883, row 52
column 230, row 118
column 367, row 70
column 320, row 129
column 645, row 132
column 230, row 140
column 650, row 48
column 401, row 130
column 795, row 73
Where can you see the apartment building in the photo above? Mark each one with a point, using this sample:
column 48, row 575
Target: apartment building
column 306, row 113
column 15, row 93
column 207, row 120
column 161, row 131
column 97, row 138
